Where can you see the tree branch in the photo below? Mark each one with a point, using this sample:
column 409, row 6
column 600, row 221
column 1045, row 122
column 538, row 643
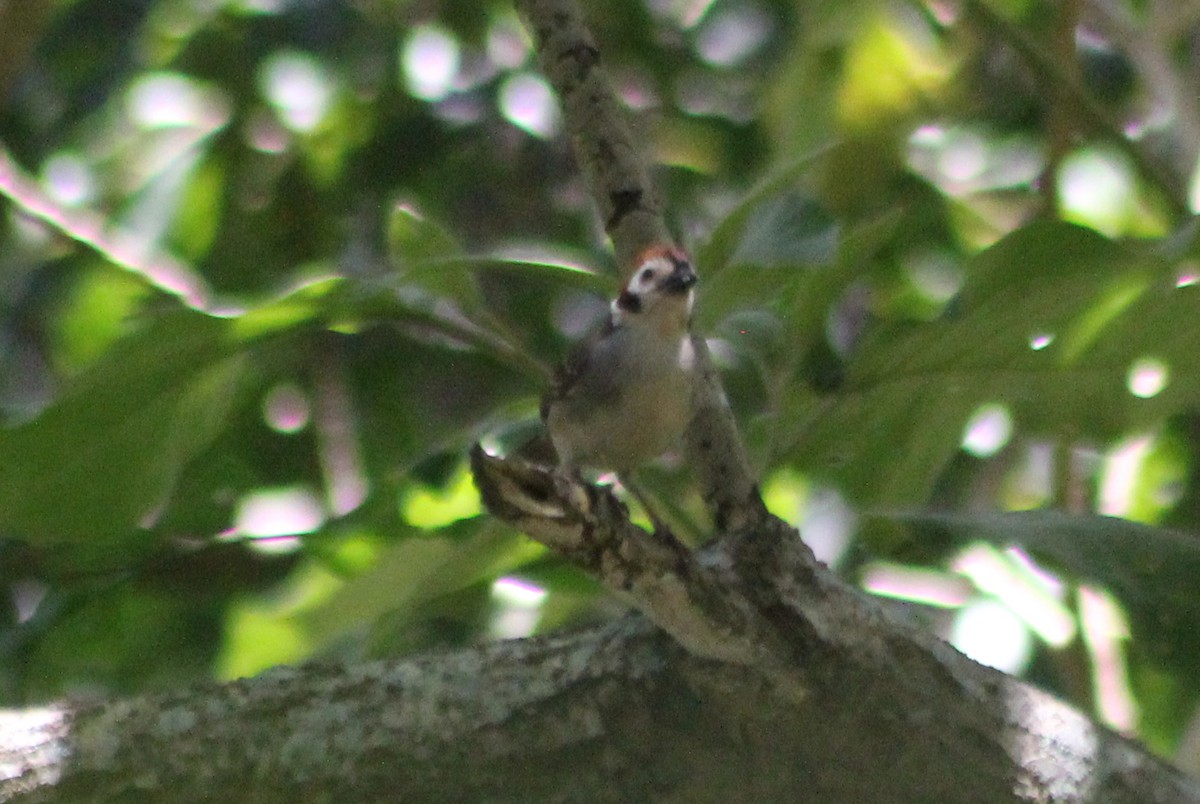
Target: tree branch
column 631, row 208
column 628, row 203
column 614, row 714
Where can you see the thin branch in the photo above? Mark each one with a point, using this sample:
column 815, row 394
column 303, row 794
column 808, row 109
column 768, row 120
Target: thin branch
column 631, row 208
column 618, row 179
column 1060, row 127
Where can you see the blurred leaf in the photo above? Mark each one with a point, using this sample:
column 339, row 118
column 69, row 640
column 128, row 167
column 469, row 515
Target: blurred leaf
column 418, row 395
column 413, row 238
column 433, row 508
column 418, row 569
column 195, row 228
column 452, row 620
column 788, row 229
column 892, row 64
column 264, row 631
column 428, row 256
column 309, row 303
column 1049, row 325
column 717, row 252
column 101, row 304
column 121, row 639
column 100, row 460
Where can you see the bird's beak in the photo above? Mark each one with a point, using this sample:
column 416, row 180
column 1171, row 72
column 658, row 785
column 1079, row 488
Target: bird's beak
column 681, row 279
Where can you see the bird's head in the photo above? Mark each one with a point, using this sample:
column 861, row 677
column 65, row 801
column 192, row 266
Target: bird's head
column 659, row 289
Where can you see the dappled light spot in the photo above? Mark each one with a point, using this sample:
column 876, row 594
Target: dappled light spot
column 827, row 525
column 507, row 44
column 928, row 136
column 68, row 179
column 259, row 6
column 964, row 158
column 636, row 89
column 1040, row 340
column 1147, row 377
column 262, row 631
column 1031, row 480
column 24, row 733
column 1096, row 188
column 1120, row 475
column 27, row 595
column 988, row 632
column 917, row 585
column 891, row 63
column 264, row 133
column 298, row 87
column 527, row 102
column 286, row 408
column 269, row 514
column 430, row 62
column 733, row 34
column 519, row 607
column 684, row 13
column 431, row 508
column 785, row 493
column 1104, row 628
column 1054, row 743
column 987, row 431
column 1025, row 590
column 1189, row 274
column 935, row 275
column 168, row 100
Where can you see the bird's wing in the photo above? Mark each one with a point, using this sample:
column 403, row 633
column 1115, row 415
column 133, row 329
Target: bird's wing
column 573, row 377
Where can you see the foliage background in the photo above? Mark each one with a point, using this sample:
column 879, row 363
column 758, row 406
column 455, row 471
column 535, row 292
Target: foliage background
column 269, row 267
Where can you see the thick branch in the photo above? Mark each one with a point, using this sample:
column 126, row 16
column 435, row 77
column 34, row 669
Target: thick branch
column 619, row 713
column 695, row 603
column 830, row 694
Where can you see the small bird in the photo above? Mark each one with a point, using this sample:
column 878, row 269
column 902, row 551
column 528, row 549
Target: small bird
column 624, row 396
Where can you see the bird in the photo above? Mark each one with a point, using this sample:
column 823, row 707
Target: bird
column 623, row 396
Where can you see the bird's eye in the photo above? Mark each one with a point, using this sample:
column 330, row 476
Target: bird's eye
column 647, row 274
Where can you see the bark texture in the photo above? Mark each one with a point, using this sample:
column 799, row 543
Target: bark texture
column 614, row 714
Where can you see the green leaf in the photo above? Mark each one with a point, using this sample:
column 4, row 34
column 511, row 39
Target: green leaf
column 100, row 460
column 717, row 253
column 788, row 229
column 1050, row 324
column 429, row 259
column 419, row 569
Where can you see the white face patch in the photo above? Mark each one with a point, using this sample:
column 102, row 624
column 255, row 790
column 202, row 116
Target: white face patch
column 649, row 275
